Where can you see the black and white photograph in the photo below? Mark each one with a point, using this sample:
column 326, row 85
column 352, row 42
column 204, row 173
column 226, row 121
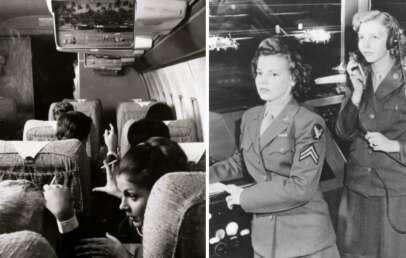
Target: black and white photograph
column 307, row 146
column 103, row 114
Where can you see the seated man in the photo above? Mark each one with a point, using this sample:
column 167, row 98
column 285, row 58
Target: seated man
column 73, row 125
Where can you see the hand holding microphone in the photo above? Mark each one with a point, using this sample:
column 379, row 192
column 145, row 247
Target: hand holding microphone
column 357, row 77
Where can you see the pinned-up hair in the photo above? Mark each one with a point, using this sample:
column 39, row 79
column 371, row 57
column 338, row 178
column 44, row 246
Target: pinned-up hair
column 146, row 162
column 300, row 72
column 143, row 129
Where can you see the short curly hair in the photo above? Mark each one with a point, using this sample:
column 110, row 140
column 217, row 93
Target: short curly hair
column 388, row 21
column 61, row 108
column 299, row 71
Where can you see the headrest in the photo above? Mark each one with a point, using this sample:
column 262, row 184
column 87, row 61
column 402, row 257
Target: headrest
column 138, row 110
column 172, row 196
column 193, row 150
column 65, row 159
column 182, row 130
column 25, row 244
column 21, row 206
column 39, row 130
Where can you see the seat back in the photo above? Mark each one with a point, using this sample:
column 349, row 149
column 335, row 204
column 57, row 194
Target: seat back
column 140, row 109
column 39, row 130
column 25, row 244
column 182, row 130
column 40, row 162
column 174, row 221
column 93, row 109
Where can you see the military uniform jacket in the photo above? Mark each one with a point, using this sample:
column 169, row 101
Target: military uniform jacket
column 290, row 217
column 383, row 111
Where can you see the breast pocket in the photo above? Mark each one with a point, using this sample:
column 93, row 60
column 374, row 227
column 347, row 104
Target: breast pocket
column 394, row 111
column 278, row 155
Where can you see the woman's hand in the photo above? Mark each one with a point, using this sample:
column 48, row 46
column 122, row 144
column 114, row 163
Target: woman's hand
column 358, row 80
column 108, row 246
column 58, row 201
column 379, row 142
column 111, row 183
column 234, row 197
column 110, row 138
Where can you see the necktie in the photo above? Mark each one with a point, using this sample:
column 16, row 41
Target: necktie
column 266, row 121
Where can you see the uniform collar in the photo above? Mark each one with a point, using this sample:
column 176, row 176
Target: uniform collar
column 280, row 123
column 393, row 80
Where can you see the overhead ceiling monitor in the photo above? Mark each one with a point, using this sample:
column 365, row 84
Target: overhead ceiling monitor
column 104, row 26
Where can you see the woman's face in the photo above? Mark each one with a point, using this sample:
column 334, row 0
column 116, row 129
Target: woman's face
column 133, row 199
column 273, row 79
column 372, row 37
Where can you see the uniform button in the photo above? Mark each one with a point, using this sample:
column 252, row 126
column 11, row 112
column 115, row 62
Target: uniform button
column 271, row 217
column 372, row 116
column 369, row 169
column 265, row 178
column 259, row 161
column 370, row 151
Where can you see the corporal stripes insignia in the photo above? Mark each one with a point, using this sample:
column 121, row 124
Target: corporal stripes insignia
column 310, row 152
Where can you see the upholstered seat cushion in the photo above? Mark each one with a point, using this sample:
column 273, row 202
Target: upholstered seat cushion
column 64, row 159
column 170, row 200
column 25, row 244
column 39, row 130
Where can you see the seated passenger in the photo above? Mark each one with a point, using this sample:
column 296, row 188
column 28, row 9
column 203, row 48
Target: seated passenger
column 73, row 125
column 139, row 169
column 61, row 108
column 139, row 131
column 160, row 112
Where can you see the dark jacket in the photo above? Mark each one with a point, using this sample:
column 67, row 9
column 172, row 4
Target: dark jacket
column 383, row 111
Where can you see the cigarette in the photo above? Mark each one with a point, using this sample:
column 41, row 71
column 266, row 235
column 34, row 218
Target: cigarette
column 108, row 164
column 53, row 180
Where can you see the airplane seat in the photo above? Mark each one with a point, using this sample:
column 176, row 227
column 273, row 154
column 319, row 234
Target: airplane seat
column 93, row 109
column 39, row 130
column 174, row 220
column 140, row 109
column 182, row 130
column 40, row 161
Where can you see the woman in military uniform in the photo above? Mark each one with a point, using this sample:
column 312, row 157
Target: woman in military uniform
column 372, row 212
column 282, row 147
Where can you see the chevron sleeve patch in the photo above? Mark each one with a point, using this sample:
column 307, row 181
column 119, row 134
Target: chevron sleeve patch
column 309, row 152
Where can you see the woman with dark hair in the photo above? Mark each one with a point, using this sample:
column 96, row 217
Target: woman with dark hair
column 372, row 214
column 138, row 171
column 282, row 146
column 73, row 125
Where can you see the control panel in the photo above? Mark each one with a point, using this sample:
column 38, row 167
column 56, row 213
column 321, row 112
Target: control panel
column 230, row 229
